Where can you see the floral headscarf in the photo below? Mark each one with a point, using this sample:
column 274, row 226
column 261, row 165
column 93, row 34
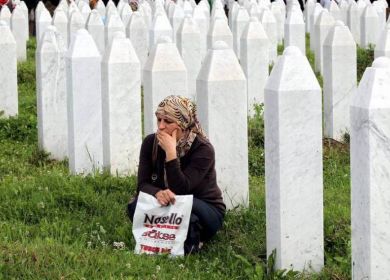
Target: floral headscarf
column 182, row 111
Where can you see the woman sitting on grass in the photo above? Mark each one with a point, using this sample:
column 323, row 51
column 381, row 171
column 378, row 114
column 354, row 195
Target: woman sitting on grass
column 179, row 160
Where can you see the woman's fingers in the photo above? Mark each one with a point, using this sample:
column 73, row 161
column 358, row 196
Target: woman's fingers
column 164, row 197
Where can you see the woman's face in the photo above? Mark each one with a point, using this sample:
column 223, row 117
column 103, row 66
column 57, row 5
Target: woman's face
column 168, row 126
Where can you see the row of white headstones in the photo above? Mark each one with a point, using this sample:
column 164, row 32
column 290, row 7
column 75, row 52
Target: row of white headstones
column 89, row 109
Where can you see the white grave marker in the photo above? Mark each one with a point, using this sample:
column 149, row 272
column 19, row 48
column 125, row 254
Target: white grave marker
column 222, row 106
column 84, row 101
column 294, row 199
column 121, row 100
column 370, row 178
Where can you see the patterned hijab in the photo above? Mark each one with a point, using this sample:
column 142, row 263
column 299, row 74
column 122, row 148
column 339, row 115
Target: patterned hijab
column 182, row 111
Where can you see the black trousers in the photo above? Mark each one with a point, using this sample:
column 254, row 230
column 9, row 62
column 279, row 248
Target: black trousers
column 205, row 221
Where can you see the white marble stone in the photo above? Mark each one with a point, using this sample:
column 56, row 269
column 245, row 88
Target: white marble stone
column 164, row 74
column 203, row 24
column 222, row 110
column 176, row 20
column 5, row 15
column 160, row 27
column 75, row 23
column 269, row 23
column 24, row 8
column 42, row 22
column 63, row 4
column 382, row 48
column 380, row 9
column 111, row 8
column 343, row 5
column 95, row 27
column 8, row 70
column 280, row 20
column 51, row 95
column 339, row 80
column 313, row 18
column 293, row 171
column 254, row 61
column 18, row 30
column 334, row 10
column 60, row 21
column 322, row 27
column 370, row 179
column 113, row 24
column 126, row 13
column 85, row 11
column 188, row 44
column 187, row 7
column 84, row 101
column 218, row 13
column 232, row 14
column 309, row 9
column 219, row 31
column 101, row 8
column 137, row 32
column 369, row 27
column 121, row 100
column 240, row 22
column 294, row 31
column 353, row 21
column 40, row 6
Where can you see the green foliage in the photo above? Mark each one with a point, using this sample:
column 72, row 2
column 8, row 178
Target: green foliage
column 256, row 142
column 365, row 57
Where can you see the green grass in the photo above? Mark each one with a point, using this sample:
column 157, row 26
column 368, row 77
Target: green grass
column 57, row 226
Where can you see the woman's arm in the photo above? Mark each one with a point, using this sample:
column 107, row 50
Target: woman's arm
column 145, row 168
column 186, row 181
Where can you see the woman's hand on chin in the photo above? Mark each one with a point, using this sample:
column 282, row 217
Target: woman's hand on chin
column 167, row 143
column 165, row 197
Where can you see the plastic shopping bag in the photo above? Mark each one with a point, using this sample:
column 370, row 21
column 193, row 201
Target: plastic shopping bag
column 161, row 229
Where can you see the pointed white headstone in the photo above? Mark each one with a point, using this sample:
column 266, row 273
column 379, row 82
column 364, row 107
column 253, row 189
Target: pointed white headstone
column 382, row 48
column 176, row 20
column 51, row 95
column 280, row 20
column 353, row 21
column 240, row 22
column 313, row 18
column 370, row 178
column 160, row 27
column 18, row 30
column 95, row 27
column 222, row 106
column 5, row 15
column 60, row 21
column 121, row 97
column 369, row 27
column 8, row 76
column 339, row 80
column 42, row 22
column 294, row 31
column 84, row 101
column 309, row 9
column 269, row 23
column 137, row 32
column 294, row 199
column 164, row 74
column 322, row 27
column 113, row 24
column 203, row 24
column 254, row 61
column 188, row 44
column 219, row 31
column 75, row 23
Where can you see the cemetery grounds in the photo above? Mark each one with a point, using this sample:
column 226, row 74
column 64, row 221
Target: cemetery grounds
column 54, row 225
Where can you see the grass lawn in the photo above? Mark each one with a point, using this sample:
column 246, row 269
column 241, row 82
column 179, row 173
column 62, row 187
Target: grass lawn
column 57, row 226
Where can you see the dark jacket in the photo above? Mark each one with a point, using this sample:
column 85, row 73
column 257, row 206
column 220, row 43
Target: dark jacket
column 193, row 174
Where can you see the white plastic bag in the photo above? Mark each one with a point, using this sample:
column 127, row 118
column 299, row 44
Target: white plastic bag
column 161, row 229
